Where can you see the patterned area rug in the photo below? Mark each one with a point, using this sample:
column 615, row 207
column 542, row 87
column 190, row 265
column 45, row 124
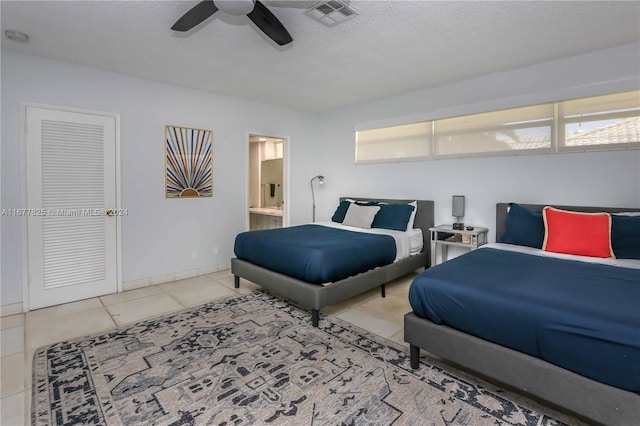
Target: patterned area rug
column 253, row 360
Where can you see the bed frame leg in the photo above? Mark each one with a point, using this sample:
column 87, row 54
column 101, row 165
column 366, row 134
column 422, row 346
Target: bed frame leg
column 382, row 291
column 236, row 281
column 315, row 317
column 414, row 355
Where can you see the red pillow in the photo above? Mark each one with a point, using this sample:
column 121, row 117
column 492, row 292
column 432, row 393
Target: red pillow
column 584, row 234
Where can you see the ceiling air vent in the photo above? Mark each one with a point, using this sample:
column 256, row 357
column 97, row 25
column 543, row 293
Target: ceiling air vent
column 331, row 12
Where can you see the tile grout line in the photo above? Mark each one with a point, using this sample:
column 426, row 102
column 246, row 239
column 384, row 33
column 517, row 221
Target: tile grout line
column 179, row 303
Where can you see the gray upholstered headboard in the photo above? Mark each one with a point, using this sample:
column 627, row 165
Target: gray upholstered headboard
column 424, row 216
column 503, row 208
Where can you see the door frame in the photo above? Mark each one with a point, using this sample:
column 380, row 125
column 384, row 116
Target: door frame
column 23, row 195
column 285, row 175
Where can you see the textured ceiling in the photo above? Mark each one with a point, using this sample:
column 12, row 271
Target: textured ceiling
column 392, row 47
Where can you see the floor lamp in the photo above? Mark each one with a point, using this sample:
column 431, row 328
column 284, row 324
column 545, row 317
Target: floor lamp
column 313, row 197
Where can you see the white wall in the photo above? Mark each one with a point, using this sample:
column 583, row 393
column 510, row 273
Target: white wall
column 603, row 178
column 159, row 234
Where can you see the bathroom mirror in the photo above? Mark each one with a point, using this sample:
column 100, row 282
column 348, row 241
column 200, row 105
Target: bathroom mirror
column 271, row 183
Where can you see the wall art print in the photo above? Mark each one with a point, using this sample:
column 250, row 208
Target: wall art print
column 188, row 162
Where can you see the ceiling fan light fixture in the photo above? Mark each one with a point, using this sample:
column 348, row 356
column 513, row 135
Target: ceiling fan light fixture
column 255, row 10
column 235, row 7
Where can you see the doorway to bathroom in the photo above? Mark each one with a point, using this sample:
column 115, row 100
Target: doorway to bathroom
column 266, row 182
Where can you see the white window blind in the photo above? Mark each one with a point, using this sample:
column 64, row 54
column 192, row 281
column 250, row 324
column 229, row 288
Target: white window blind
column 396, row 143
column 594, row 123
column 609, row 121
column 511, row 130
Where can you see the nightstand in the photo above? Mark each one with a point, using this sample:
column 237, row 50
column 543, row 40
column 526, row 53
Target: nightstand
column 444, row 236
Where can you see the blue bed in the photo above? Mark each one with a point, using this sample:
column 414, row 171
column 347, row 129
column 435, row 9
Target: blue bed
column 584, row 317
column 314, row 253
column 296, row 262
column 560, row 330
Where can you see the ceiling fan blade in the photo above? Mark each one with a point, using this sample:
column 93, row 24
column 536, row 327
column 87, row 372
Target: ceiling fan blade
column 269, row 24
column 195, row 15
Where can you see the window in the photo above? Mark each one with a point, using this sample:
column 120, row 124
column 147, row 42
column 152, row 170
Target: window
column 600, row 122
column 397, row 143
column 594, row 123
column 516, row 129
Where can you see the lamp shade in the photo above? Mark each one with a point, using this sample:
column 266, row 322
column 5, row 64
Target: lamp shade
column 457, row 206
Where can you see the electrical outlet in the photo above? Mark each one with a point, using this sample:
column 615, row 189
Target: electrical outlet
column 216, row 250
column 194, row 254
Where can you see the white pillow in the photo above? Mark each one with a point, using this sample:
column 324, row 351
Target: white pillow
column 360, row 216
column 412, row 218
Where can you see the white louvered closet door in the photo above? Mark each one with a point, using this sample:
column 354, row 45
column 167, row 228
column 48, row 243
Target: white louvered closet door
column 71, row 185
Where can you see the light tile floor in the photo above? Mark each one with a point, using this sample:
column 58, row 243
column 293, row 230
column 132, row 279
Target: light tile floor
column 22, row 334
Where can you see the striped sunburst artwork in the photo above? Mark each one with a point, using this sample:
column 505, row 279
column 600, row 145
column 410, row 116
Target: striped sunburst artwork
column 189, row 162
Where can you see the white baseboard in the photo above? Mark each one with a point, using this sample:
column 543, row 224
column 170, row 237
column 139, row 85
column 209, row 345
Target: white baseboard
column 11, row 309
column 174, row 276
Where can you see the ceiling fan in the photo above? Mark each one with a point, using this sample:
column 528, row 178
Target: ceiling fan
column 254, row 9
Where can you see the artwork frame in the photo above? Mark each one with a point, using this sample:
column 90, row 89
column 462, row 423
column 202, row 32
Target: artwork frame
column 188, row 162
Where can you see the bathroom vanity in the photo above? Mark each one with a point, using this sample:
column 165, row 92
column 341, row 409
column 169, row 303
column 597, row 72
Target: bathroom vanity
column 264, row 218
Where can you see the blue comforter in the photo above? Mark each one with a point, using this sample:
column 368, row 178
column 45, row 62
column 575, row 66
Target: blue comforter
column 315, row 253
column 584, row 317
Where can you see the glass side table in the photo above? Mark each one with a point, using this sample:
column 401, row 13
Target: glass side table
column 444, row 236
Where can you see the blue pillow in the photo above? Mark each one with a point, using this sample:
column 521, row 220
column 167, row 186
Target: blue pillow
column 523, row 227
column 341, row 211
column 625, row 236
column 393, row 216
